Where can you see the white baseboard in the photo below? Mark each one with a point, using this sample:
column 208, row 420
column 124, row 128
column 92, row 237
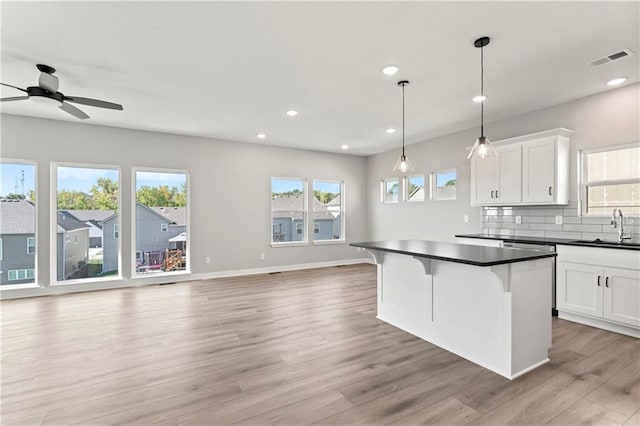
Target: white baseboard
column 594, row 322
column 17, row 293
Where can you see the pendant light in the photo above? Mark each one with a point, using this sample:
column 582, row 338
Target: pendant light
column 482, row 147
column 403, row 165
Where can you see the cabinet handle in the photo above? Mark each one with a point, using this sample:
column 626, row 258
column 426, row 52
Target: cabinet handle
column 606, row 282
column 599, row 285
column 497, row 194
column 549, row 190
column 491, row 194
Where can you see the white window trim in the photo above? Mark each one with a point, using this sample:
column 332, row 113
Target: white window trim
column 406, row 186
column 53, row 208
column 342, row 211
column 187, row 271
column 433, row 181
column 582, row 178
column 116, row 231
column 36, row 230
column 305, row 215
column 383, row 190
column 31, row 245
column 164, row 227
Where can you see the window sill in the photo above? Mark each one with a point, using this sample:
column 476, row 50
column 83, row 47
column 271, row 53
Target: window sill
column 137, row 275
column 87, row 280
column 328, row 242
column 7, row 287
column 290, row 244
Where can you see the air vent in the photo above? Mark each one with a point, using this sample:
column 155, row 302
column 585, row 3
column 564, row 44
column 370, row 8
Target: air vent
column 610, row 58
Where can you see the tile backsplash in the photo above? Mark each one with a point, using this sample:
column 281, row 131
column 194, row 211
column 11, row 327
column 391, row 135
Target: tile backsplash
column 540, row 221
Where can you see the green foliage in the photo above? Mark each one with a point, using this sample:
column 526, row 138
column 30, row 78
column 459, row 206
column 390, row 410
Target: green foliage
column 31, row 195
column 14, row 197
column 162, row 196
column 451, row 182
column 105, row 194
column 294, row 193
column 74, row 200
column 324, row 197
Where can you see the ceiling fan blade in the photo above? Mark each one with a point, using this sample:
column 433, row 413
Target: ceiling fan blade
column 93, row 102
column 73, row 111
column 15, row 98
column 15, row 87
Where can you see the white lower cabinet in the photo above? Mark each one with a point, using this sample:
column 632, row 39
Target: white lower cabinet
column 599, row 287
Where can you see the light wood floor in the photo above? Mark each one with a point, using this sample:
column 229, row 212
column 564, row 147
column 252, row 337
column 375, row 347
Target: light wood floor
column 292, row 348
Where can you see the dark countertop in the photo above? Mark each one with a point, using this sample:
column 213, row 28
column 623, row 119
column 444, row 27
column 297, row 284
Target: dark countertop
column 455, row 252
column 554, row 241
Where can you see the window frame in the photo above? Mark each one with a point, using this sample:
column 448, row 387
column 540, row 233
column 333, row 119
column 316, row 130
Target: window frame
column 31, row 245
column 187, row 270
column 433, row 182
column 53, row 236
column 36, row 203
column 342, row 212
column 583, row 184
column 116, row 231
column 383, row 190
column 164, row 227
column 305, row 213
column 406, row 185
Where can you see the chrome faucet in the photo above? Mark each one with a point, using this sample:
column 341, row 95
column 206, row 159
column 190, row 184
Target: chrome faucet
column 614, row 224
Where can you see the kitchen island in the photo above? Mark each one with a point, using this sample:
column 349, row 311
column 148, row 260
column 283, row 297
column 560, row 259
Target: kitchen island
column 489, row 305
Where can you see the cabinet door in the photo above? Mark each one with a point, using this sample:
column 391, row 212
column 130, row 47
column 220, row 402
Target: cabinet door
column 579, row 288
column 622, row 295
column 509, row 174
column 539, row 170
column 483, row 181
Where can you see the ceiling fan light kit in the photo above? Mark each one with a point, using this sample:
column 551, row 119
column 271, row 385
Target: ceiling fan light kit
column 46, row 92
column 482, row 147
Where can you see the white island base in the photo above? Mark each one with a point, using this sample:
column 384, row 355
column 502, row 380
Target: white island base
column 496, row 316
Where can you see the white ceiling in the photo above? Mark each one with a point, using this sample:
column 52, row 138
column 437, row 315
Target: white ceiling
column 228, row 70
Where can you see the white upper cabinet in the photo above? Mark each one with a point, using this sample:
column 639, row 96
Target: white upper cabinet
column 527, row 170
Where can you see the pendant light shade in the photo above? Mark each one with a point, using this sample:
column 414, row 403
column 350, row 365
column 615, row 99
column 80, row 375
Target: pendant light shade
column 403, row 165
column 482, row 147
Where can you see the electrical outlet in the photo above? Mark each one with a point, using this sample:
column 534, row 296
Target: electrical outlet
column 558, row 220
column 466, row 218
column 261, row 256
column 518, row 220
column 207, row 260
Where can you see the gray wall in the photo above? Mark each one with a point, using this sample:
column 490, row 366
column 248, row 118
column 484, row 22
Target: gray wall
column 74, row 253
column 15, row 256
column 608, row 118
column 231, row 225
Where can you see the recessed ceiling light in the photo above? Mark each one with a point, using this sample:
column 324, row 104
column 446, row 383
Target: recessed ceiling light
column 390, row 69
column 261, row 135
column 391, row 130
column 616, row 81
column 479, row 98
column 291, row 112
column 345, row 147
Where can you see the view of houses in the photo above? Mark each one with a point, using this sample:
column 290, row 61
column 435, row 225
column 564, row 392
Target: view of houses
column 288, row 223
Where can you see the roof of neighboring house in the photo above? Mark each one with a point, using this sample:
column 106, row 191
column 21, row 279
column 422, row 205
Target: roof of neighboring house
column 290, row 207
column 17, row 217
column 177, row 215
column 94, row 216
column 67, row 222
column 336, row 201
column 156, row 212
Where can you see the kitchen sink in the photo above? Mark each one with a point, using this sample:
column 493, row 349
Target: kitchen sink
column 598, row 241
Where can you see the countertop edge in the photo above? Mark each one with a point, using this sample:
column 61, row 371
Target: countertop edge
column 549, row 241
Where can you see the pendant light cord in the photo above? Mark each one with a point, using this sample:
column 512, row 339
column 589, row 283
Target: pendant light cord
column 482, row 91
column 403, row 119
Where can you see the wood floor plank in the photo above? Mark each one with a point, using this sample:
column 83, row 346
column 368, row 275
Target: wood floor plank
column 294, row 348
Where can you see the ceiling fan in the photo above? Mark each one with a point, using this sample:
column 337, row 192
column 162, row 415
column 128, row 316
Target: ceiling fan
column 46, row 92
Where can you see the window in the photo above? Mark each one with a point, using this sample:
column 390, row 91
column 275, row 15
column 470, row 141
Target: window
column 18, row 211
column 116, row 231
column 288, row 210
column 21, row 274
column 85, row 194
column 328, row 210
column 443, row 185
column 415, row 188
column 162, row 198
column 611, row 179
column 31, row 245
column 390, row 190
